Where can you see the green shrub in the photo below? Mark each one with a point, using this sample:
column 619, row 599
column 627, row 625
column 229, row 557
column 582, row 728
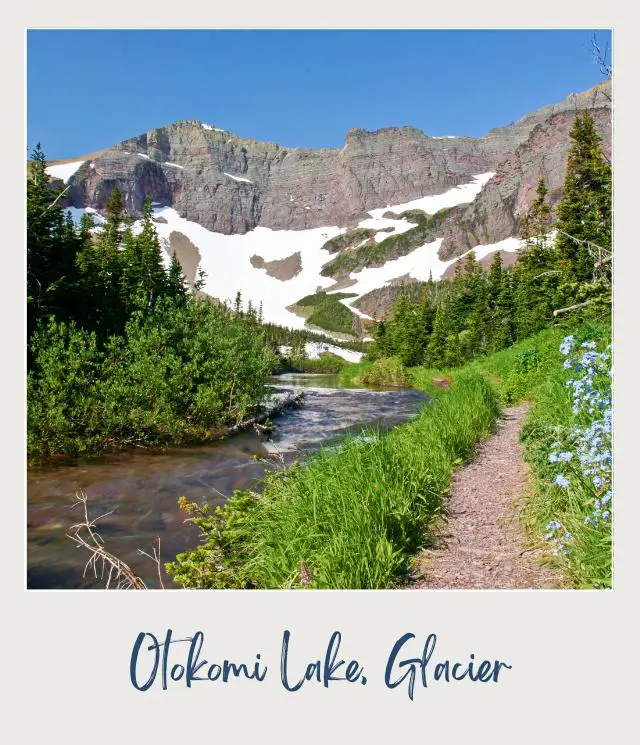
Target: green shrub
column 181, row 372
column 387, row 371
column 325, row 364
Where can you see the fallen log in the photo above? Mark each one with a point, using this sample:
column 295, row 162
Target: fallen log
column 571, row 307
column 256, row 421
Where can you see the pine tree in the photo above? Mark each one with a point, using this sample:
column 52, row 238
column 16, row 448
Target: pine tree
column 452, row 351
column 101, row 265
column 585, row 211
column 152, row 277
column 479, row 322
column 52, row 246
column 494, row 277
column 537, row 221
column 504, row 323
column 436, row 349
column 537, row 272
column 176, row 282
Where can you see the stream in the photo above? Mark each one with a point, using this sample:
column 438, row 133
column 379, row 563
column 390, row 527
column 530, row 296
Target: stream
column 141, row 488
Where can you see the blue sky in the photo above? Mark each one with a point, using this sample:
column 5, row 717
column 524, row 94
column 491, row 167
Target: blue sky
column 90, row 89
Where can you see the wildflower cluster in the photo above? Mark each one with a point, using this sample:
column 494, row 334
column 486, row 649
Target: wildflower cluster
column 585, row 457
column 560, row 537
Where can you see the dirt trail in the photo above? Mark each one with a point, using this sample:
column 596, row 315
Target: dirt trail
column 481, row 545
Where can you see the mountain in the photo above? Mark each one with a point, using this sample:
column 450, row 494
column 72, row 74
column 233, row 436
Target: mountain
column 281, row 223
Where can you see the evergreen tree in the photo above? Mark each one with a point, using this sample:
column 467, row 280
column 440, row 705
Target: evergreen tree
column 537, row 273
column 101, row 266
column 143, row 277
column 537, row 221
column 452, row 351
column 585, row 211
column 479, row 323
column 52, row 247
column 504, row 318
column 176, row 282
column 436, row 349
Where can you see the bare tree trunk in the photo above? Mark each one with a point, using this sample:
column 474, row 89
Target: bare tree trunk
column 571, row 307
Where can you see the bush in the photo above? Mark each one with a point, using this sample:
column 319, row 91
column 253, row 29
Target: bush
column 387, row 371
column 325, row 364
column 181, row 372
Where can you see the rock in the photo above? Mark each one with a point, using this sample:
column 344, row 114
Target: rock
column 231, row 185
column 282, row 269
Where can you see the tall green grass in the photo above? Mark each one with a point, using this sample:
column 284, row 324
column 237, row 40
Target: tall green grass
column 354, row 515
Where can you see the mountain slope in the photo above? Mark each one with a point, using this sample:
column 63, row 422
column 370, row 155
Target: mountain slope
column 282, row 205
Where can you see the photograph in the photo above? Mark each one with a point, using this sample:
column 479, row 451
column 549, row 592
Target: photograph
column 319, row 309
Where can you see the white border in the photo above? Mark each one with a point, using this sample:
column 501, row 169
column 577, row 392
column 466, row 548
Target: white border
column 573, row 652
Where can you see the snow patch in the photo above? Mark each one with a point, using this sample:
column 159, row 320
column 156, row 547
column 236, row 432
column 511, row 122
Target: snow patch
column 418, row 264
column 226, row 261
column 64, row 171
column 144, row 155
column 463, row 194
column 238, row 178
column 173, row 165
column 315, row 349
column 508, row 244
column 226, row 258
column 78, row 212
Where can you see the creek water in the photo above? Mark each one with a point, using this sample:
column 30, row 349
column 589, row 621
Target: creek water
column 141, row 488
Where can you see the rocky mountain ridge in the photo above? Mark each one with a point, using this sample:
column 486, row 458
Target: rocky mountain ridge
column 231, row 185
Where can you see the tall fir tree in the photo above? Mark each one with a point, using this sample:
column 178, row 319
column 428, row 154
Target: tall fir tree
column 584, row 214
column 52, row 246
column 537, row 272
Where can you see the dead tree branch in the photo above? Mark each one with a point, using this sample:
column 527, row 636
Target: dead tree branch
column 570, row 308
column 62, row 193
column 106, row 566
column 601, row 58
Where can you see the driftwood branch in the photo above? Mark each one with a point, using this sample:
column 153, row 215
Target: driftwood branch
column 106, row 566
column 570, row 308
column 601, row 58
column 156, row 559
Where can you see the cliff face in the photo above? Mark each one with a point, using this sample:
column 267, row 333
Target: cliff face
column 232, row 185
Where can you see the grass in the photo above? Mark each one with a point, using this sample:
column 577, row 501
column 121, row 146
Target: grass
column 399, row 244
column 355, row 514
column 327, row 312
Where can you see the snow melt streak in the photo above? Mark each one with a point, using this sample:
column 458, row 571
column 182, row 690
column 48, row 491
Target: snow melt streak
column 64, row 171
